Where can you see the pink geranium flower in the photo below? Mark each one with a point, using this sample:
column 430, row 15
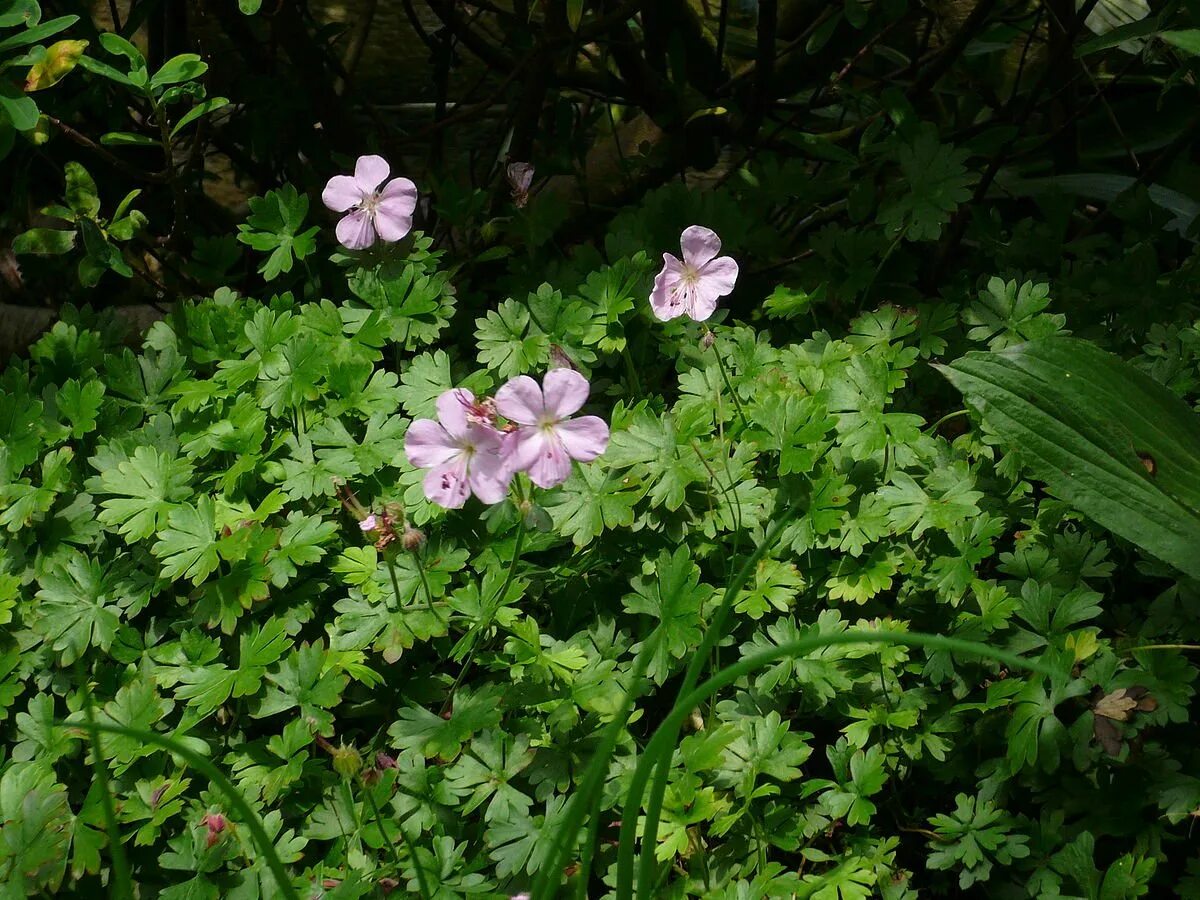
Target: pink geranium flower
column 693, row 286
column 461, row 453
column 546, row 439
column 370, row 523
column 376, row 209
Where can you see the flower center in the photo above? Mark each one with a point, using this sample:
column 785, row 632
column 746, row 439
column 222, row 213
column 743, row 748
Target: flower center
column 370, row 202
column 691, row 275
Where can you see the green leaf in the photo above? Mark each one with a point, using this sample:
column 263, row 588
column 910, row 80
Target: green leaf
column 183, row 67
column 118, row 46
column 198, row 111
column 82, row 196
column 249, row 7
column 20, row 110
column 301, row 683
column 574, row 13
column 1187, row 40
column 935, row 182
column 188, row 546
column 127, row 139
column 38, row 33
column 671, row 593
column 1103, row 435
column 43, row 242
column 19, row 12
column 145, row 489
column 80, row 404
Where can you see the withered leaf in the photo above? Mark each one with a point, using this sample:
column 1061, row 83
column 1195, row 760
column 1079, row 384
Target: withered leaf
column 1119, row 704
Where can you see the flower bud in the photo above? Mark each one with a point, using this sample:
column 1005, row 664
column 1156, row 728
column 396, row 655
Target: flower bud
column 385, row 761
column 216, row 824
column 413, row 539
column 59, row 60
column 707, row 339
column 347, row 761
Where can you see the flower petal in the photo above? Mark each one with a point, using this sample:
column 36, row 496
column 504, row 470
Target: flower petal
column 664, row 300
column 428, row 444
column 720, row 275
column 701, row 305
column 565, row 392
column 699, row 245
column 341, row 193
column 520, row 401
column 521, row 449
column 356, row 230
column 452, row 407
column 370, row 172
column 447, row 485
column 489, row 477
column 552, row 466
column 391, row 220
column 584, row 438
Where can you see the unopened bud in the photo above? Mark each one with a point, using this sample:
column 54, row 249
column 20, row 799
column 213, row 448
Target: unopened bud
column 385, row 761
column 347, row 761
column 707, row 339
column 215, row 823
column 413, row 539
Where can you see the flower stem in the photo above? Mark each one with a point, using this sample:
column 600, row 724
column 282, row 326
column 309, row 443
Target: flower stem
column 489, row 612
column 737, row 404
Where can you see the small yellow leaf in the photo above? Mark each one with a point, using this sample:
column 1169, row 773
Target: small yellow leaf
column 59, row 60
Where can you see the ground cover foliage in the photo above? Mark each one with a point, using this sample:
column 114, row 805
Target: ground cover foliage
column 875, row 574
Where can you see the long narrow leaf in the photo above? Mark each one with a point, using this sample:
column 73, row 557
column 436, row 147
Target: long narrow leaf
column 245, row 811
column 1103, row 436
column 659, row 750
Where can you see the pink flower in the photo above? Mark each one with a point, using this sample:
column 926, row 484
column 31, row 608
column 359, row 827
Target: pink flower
column 693, row 286
column 546, row 440
column 370, row 523
column 462, row 455
column 376, row 209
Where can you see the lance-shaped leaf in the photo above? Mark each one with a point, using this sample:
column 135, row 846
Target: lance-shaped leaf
column 1103, row 436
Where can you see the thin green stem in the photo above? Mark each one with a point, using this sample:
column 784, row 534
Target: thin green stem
column 946, row 418
column 586, row 799
column 469, row 640
column 659, row 750
column 635, row 383
column 714, row 632
column 420, row 561
column 737, row 404
column 120, row 885
column 245, row 812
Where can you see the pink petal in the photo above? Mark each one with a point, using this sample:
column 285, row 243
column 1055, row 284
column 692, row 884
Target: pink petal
column 447, row 485
column 391, row 223
column 701, row 305
column 370, row 523
column 489, row 477
column 452, row 407
column 342, row 193
column 370, row 172
column 484, row 438
column 520, row 401
column 584, row 438
column 719, row 275
column 522, row 448
column 400, row 191
column 699, row 245
column 552, row 466
column 663, row 301
column 565, row 391
column 356, row 231
column 428, row 444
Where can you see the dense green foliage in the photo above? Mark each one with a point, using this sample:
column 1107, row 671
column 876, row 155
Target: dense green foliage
column 201, row 649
